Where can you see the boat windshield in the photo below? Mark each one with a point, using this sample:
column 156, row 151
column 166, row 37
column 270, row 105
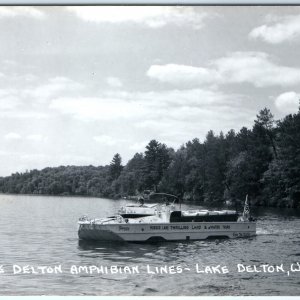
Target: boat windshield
column 161, row 198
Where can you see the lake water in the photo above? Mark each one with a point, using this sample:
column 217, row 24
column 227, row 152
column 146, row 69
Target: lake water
column 42, row 231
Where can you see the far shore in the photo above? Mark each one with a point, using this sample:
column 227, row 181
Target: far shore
column 118, row 199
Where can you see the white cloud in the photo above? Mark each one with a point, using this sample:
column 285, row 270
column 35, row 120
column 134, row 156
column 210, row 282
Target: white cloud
column 5, row 92
column 73, row 159
column 24, row 11
column 87, row 109
column 105, row 140
column 9, row 103
column 28, row 77
column 19, row 77
column 180, row 73
column 13, row 114
column 114, row 82
column 36, row 137
column 256, row 68
column 31, row 102
column 197, row 122
column 9, row 62
column 52, row 87
column 139, row 146
column 288, row 102
column 8, row 99
column 27, row 102
column 152, row 16
column 12, row 136
column 41, row 160
column 275, row 32
column 139, row 105
column 173, row 116
column 35, row 157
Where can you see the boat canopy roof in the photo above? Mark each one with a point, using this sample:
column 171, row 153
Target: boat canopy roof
column 162, row 196
column 149, row 205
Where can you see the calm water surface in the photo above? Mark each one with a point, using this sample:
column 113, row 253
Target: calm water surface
column 40, row 230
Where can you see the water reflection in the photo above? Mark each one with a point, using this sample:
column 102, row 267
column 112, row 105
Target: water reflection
column 165, row 252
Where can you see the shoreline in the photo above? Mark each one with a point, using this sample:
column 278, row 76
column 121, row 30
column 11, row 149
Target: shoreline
column 216, row 204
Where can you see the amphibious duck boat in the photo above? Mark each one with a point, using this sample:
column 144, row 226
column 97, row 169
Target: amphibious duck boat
column 169, row 224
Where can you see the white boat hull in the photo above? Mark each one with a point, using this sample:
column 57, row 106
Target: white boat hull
column 165, row 231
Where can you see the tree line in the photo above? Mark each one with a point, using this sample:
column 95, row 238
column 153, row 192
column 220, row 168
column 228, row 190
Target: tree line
column 263, row 162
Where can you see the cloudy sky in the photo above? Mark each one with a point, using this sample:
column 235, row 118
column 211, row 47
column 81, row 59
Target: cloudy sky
column 78, row 84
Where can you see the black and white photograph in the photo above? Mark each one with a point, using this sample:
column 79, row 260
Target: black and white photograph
column 149, row 150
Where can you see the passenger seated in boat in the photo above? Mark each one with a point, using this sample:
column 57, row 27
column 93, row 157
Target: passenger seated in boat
column 141, row 201
column 166, row 200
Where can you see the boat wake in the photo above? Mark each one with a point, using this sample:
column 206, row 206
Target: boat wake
column 275, row 232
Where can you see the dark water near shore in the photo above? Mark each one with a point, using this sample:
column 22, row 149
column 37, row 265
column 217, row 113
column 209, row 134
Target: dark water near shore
column 41, row 231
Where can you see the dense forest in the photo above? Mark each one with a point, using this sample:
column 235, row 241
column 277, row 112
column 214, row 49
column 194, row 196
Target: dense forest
column 263, row 162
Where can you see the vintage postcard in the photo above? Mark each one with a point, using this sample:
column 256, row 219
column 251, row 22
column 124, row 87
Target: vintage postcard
column 150, row 150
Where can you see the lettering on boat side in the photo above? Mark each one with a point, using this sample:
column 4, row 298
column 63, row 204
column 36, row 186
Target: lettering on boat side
column 196, row 226
column 152, row 227
column 213, row 227
column 157, row 227
column 186, row 227
column 241, row 234
column 123, row 228
column 179, row 227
